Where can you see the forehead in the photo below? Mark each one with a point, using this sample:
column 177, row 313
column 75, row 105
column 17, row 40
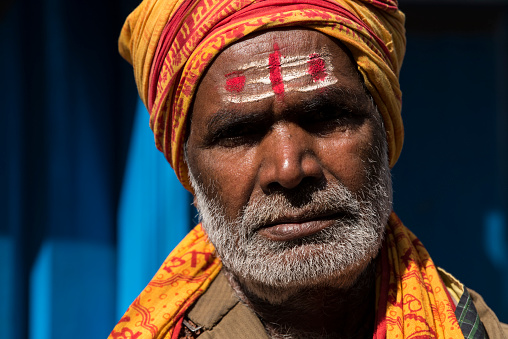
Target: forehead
column 275, row 68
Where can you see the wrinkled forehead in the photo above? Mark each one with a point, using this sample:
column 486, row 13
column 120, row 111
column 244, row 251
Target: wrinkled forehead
column 276, row 63
column 295, row 42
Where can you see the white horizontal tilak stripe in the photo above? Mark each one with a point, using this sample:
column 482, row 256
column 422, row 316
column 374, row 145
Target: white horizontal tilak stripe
column 291, row 71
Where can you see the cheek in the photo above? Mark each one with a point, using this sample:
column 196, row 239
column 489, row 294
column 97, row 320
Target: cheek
column 233, row 175
column 346, row 159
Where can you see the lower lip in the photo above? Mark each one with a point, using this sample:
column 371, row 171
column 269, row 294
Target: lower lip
column 292, row 231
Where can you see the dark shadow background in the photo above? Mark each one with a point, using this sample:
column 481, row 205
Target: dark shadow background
column 67, row 103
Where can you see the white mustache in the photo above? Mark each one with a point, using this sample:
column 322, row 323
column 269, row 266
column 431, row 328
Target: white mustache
column 331, row 200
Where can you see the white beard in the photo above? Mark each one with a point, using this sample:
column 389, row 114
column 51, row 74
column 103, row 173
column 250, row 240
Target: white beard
column 334, row 256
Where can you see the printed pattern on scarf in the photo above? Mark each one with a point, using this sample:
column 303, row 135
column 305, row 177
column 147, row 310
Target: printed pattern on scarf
column 412, row 299
column 183, row 277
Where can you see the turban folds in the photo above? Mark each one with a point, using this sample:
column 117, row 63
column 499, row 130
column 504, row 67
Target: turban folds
column 171, row 42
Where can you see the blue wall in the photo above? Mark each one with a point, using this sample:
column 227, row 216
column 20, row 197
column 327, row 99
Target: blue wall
column 67, row 104
column 451, row 181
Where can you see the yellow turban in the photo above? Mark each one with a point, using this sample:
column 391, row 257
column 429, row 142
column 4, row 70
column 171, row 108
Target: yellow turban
column 171, row 42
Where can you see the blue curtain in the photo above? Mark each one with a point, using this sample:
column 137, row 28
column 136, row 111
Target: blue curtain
column 153, row 216
column 67, row 103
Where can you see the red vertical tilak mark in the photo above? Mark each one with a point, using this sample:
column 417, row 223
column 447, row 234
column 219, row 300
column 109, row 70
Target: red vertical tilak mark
column 316, row 67
column 275, row 71
column 235, row 82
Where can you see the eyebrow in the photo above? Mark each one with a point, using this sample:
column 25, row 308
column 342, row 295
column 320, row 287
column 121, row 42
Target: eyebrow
column 337, row 96
column 232, row 116
column 228, row 119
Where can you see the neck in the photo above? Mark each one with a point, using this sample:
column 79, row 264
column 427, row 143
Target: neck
column 319, row 311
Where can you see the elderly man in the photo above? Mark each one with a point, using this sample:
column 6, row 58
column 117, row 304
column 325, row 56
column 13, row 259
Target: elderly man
column 283, row 118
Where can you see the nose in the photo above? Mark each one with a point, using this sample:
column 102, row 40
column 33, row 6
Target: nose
column 288, row 158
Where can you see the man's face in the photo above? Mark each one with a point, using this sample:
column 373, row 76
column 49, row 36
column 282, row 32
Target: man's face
column 288, row 160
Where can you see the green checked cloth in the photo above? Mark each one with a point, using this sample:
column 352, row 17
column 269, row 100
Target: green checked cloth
column 468, row 318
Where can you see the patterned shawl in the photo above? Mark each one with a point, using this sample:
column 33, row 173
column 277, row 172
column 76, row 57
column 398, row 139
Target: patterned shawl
column 412, row 300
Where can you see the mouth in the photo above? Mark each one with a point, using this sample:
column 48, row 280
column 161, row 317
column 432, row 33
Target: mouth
column 291, row 228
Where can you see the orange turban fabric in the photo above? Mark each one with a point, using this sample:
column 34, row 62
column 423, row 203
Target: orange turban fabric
column 171, row 42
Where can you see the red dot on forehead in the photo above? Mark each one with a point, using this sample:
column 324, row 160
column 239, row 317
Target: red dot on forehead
column 317, row 67
column 235, row 82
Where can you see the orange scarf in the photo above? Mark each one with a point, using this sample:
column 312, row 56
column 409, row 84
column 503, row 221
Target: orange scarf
column 412, row 300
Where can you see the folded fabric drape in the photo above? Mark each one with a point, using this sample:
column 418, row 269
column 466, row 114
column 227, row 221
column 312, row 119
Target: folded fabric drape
column 171, row 42
column 412, row 300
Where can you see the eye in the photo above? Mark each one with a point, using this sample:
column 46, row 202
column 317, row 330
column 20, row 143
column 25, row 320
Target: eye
column 239, row 135
column 331, row 118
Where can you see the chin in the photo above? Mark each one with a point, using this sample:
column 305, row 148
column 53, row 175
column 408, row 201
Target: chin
column 278, row 287
column 277, row 293
column 275, row 271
